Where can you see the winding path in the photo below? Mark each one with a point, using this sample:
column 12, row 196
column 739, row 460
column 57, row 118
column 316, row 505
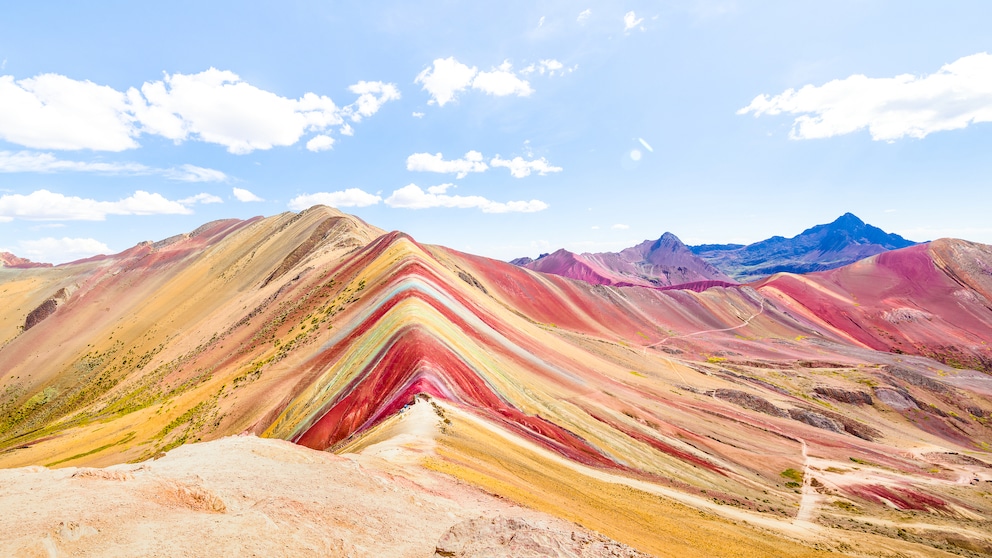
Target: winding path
column 807, row 502
column 738, row 326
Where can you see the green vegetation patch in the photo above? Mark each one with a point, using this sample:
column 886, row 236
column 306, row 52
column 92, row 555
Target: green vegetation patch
column 793, row 475
column 124, row 440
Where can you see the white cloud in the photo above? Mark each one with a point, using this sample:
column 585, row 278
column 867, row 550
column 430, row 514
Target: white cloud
column 243, row 195
column 52, row 111
column 519, row 167
column 32, row 161
column 412, row 197
column 320, row 143
column 957, row 95
column 584, row 16
column 61, row 250
column 425, row 162
column 371, row 96
column 352, row 197
column 42, row 205
column 440, row 188
column 193, row 173
column 540, row 22
column 473, row 161
column 347, row 130
column 446, row 77
column 218, row 107
column 501, row 82
column 202, row 197
column 551, row 67
column 418, row 115
column 620, row 227
column 630, row 21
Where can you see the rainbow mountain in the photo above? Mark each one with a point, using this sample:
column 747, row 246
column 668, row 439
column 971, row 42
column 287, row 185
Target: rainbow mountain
column 845, row 411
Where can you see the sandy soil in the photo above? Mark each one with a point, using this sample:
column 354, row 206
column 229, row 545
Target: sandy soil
column 246, row 496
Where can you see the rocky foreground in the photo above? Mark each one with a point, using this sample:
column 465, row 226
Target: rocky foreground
column 249, row 496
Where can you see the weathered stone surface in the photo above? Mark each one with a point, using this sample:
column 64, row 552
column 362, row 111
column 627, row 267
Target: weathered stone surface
column 517, row 538
column 749, row 401
column 844, row 396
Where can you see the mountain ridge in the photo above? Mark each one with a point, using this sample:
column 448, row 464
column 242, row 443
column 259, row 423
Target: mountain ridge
column 665, row 262
column 843, row 241
column 668, row 262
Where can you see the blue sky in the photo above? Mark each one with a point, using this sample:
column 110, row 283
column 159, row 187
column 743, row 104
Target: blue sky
column 503, row 129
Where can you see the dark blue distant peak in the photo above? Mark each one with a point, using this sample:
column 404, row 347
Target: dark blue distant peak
column 848, row 221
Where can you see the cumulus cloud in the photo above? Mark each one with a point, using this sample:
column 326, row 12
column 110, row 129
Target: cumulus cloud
column 425, row 162
column 957, row 95
column 320, row 143
column 418, row 115
column 216, row 106
column 520, row 167
column 446, row 77
column 243, row 195
column 33, row 161
column 52, row 111
column 584, row 16
column 412, row 196
column 42, row 205
column 630, row 21
column 371, row 96
column 352, row 197
column 61, row 250
column 501, row 82
column 440, row 188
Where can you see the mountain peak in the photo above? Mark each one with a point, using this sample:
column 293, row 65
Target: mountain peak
column 666, row 241
column 847, row 221
column 669, row 239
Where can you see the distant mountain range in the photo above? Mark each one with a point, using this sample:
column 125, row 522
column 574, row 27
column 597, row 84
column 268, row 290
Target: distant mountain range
column 844, row 241
column 653, row 263
column 668, row 262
